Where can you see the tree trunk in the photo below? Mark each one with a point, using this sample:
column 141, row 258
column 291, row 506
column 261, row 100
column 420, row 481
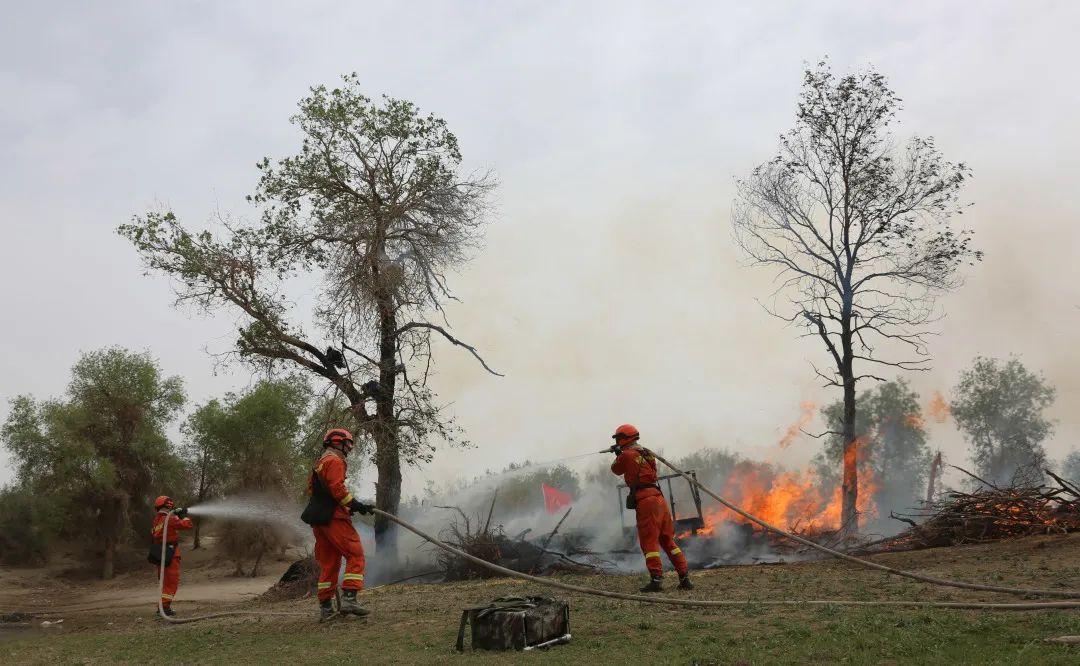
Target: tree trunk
column 387, row 456
column 849, row 512
column 108, row 565
column 931, row 487
column 199, row 498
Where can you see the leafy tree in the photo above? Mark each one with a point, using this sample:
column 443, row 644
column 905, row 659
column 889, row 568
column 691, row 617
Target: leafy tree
column 376, row 206
column 858, row 234
column 890, row 424
column 998, row 405
column 250, row 440
column 1070, row 467
column 203, row 452
column 103, row 448
column 28, row 525
column 521, row 492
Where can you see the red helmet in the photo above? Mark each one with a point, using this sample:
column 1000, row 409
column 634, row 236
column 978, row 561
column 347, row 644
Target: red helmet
column 339, row 438
column 163, row 502
column 626, row 434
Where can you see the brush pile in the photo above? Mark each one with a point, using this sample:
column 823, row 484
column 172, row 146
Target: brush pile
column 489, row 543
column 991, row 513
column 298, row 581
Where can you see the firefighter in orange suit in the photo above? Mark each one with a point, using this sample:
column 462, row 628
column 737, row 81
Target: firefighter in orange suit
column 655, row 527
column 338, row 538
column 178, row 520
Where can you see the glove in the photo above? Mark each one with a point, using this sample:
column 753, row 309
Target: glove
column 180, row 513
column 616, row 449
column 356, row 506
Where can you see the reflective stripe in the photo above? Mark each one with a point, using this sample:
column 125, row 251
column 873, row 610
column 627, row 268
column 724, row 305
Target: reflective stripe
column 652, row 554
column 166, row 596
column 676, row 550
column 323, row 586
column 157, row 528
column 354, row 576
column 345, row 500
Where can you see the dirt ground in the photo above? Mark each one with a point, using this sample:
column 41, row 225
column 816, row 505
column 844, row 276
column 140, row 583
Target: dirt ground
column 206, row 579
column 418, row 623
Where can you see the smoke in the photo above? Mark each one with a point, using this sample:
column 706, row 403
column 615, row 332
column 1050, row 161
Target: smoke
column 795, row 429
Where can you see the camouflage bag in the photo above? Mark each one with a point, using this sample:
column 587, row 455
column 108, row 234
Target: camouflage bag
column 516, row 623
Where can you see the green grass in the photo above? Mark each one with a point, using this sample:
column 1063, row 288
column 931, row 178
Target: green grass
column 601, row 635
column 418, row 624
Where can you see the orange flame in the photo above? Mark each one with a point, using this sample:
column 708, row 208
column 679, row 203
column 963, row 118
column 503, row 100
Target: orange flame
column 938, row 409
column 914, row 420
column 789, row 500
column 795, row 428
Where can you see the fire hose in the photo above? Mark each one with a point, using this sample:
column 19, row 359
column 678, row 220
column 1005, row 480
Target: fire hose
column 1069, row 594
column 674, row 601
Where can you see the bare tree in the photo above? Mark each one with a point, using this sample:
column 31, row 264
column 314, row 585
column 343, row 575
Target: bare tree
column 858, row 232
column 375, row 205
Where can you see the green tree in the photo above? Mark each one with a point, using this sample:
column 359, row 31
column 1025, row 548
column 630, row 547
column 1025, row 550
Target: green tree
column 1070, row 467
column 520, row 491
column 376, row 206
column 103, row 448
column 250, row 440
column 29, row 524
column 890, row 427
column 999, row 405
column 204, row 455
column 858, row 234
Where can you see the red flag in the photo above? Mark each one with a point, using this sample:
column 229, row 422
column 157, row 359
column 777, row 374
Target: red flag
column 555, row 499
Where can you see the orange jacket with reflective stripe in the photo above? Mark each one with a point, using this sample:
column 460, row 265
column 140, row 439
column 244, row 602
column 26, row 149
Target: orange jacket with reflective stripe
column 175, row 525
column 638, row 468
column 331, row 468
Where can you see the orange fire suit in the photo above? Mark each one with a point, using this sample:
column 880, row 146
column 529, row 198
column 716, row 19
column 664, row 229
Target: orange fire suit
column 339, row 538
column 172, row 572
column 655, row 527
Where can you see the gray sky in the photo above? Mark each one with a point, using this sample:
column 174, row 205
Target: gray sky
column 609, row 289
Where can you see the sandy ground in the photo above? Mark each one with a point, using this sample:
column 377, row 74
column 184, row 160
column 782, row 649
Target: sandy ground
column 206, row 579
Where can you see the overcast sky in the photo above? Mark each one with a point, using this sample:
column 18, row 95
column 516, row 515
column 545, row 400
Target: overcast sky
column 608, row 289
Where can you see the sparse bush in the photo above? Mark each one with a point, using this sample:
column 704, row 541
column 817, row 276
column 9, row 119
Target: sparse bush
column 27, row 527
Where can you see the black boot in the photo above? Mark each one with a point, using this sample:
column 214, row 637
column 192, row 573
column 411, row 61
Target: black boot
column 350, row 605
column 326, row 610
column 168, row 611
column 684, row 582
column 655, row 584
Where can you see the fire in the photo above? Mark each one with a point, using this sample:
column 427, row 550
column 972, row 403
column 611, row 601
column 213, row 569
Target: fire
column 789, row 500
column 914, row 420
column 938, row 409
column 795, row 428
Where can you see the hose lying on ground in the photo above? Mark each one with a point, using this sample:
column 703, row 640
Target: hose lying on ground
column 674, row 601
column 1068, row 594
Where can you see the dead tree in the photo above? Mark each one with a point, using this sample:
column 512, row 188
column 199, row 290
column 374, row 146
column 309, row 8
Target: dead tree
column 858, row 233
column 375, row 207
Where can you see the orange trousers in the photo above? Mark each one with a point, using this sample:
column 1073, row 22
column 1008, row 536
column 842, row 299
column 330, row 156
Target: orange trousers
column 333, row 542
column 172, row 581
column 655, row 531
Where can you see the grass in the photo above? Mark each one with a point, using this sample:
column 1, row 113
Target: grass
column 418, row 624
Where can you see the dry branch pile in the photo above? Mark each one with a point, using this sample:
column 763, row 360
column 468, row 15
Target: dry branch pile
column 991, row 513
column 489, row 543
